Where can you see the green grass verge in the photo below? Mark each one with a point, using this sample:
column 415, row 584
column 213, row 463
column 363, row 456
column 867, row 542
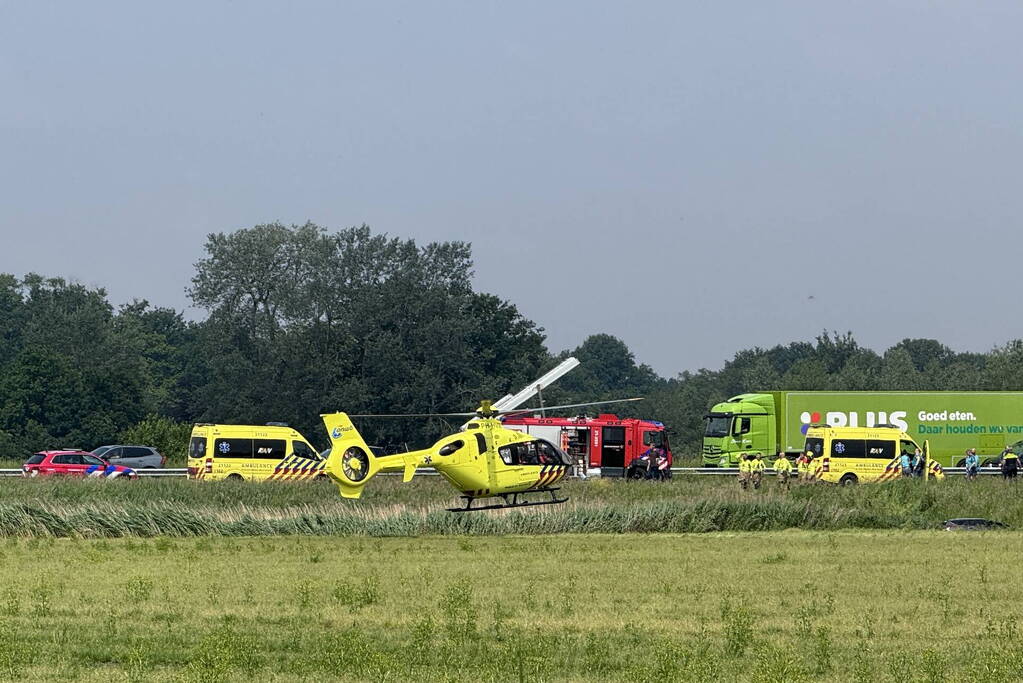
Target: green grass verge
column 64, row 507
column 781, row 606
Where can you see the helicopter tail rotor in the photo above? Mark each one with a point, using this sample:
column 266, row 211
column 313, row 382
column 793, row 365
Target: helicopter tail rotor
column 351, row 462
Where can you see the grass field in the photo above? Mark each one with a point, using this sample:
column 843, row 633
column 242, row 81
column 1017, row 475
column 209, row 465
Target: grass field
column 175, row 507
column 778, row 606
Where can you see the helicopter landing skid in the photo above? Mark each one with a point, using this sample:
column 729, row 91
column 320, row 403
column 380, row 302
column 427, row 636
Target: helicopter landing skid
column 511, row 500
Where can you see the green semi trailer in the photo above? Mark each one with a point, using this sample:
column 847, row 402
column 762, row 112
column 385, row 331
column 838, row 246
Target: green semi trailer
column 776, row 421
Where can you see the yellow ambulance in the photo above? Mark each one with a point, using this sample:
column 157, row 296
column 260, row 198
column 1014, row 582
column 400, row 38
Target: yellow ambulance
column 272, row 451
column 850, row 455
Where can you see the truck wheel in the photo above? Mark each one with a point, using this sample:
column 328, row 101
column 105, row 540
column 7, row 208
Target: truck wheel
column 848, row 480
column 961, row 462
column 634, row 473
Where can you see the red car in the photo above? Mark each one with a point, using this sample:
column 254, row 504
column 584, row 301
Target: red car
column 79, row 463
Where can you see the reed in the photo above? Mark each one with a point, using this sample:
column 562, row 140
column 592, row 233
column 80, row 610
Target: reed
column 178, row 508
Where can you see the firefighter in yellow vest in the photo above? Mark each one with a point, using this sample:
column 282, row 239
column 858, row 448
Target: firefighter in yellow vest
column 758, row 467
column 784, row 469
column 745, row 470
column 803, row 465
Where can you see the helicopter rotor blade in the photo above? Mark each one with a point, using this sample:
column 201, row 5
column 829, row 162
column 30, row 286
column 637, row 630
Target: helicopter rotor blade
column 395, row 416
column 517, row 411
column 572, row 405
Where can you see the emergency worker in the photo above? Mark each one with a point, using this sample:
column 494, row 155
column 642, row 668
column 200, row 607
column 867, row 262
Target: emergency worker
column 803, row 465
column 757, row 469
column 906, row 463
column 1010, row 464
column 918, row 463
column 663, row 466
column 745, row 470
column 972, row 464
column 784, row 469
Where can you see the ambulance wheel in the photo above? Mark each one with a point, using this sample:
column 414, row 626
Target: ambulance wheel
column 848, row 480
column 235, row 477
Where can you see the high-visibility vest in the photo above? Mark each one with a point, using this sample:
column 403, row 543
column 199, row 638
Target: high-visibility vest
column 758, row 465
column 745, row 465
column 782, row 464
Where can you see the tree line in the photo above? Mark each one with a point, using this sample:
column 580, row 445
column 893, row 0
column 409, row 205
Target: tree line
column 300, row 321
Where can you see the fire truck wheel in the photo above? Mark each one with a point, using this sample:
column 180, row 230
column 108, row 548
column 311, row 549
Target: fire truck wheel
column 635, row 473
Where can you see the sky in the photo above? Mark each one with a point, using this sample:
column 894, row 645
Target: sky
column 695, row 178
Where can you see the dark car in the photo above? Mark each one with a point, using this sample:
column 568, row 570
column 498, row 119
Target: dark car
column 136, row 457
column 75, row 463
column 972, row 524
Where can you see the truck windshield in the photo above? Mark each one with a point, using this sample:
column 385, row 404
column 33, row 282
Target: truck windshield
column 718, row 425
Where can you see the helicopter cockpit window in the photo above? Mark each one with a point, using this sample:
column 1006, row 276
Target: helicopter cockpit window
column 547, row 453
column 523, row 453
column 528, row 453
column 531, row 453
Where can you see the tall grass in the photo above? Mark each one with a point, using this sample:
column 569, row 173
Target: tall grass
column 146, row 508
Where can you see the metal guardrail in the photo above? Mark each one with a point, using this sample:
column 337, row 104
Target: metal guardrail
column 719, row 471
column 735, row 470
column 165, row 472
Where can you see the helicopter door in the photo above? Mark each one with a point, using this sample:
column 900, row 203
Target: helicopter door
column 612, row 452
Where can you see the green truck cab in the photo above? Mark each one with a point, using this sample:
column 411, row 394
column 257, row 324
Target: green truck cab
column 776, row 422
column 747, row 422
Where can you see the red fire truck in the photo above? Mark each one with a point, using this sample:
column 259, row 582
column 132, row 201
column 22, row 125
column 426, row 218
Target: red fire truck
column 612, row 444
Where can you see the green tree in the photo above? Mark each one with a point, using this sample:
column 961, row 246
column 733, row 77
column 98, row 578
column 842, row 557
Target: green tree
column 898, row 373
column 807, row 375
column 1004, row 368
column 68, row 377
column 926, row 352
column 607, row 369
column 861, row 372
column 302, row 321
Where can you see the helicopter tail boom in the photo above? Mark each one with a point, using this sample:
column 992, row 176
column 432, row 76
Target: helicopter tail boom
column 352, row 463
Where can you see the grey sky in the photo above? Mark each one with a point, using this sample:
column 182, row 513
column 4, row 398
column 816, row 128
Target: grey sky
column 682, row 175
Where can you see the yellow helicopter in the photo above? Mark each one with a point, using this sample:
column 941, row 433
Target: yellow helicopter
column 485, row 460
